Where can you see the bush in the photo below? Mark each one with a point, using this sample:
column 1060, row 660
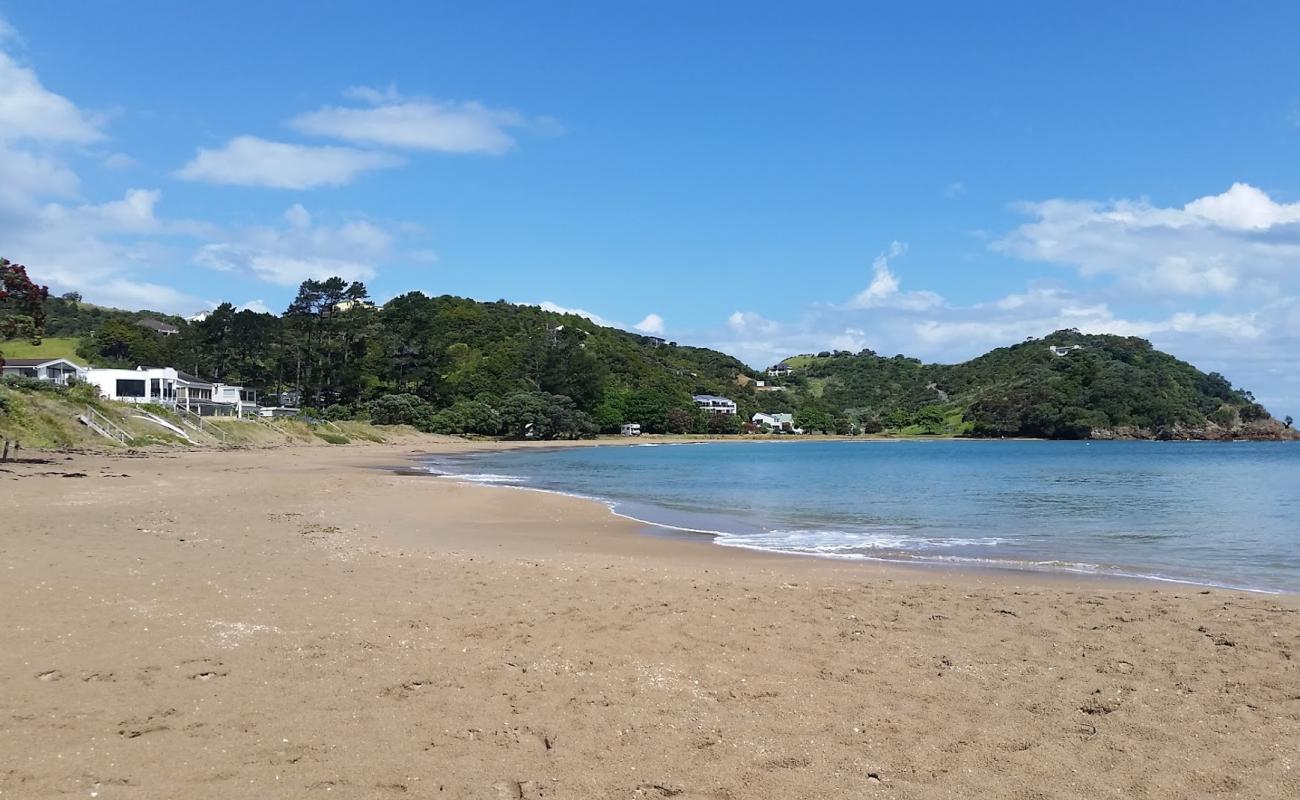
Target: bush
column 339, row 411
column 333, row 438
column 467, row 416
column 402, row 409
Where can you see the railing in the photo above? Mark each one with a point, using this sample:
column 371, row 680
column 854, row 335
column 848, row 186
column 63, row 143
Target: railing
column 104, row 426
column 198, row 423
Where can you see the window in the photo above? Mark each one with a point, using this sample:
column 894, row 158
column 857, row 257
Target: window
column 155, row 388
column 130, row 388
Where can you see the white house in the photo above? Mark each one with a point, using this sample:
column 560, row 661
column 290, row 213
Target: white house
column 715, row 404
column 170, row 387
column 243, row 400
column 55, row 370
column 139, row 385
column 777, row 422
column 631, row 429
column 779, row 370
column 1060, row 350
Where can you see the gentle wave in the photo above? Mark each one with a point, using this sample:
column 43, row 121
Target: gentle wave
column 836, row 541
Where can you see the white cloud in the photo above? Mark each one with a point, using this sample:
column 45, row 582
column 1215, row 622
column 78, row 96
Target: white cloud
column 653, row 324
column 954, row 189
column 883, row 291
column 389, row 120
column 749, row 322
column 300, row 249
column 26, row 176
column 30, row 111
column 7, row 31
column 256, row 306
column 547, row 305
column 1240, row 240
column 251, row 161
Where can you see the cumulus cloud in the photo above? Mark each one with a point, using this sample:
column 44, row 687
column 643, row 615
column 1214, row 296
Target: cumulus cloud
column 387, row 119
column 31, row 112
column 252, row 161
column 652, row 324
column 1239, row 240
column 883, row 291
column 300, row 249
column 750, row 322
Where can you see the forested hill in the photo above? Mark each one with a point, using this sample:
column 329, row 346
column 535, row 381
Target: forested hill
column 449, row 364
column 1096, row 386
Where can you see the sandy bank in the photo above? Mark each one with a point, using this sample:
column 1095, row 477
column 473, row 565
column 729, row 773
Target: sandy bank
column 294, row 623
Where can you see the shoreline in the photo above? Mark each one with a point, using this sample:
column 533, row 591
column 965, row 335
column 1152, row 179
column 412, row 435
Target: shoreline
column 295, row 623
column 1048, row 571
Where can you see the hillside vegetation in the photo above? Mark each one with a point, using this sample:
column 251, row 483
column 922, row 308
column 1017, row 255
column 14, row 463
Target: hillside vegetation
column 454, row 365
column 1105, row 386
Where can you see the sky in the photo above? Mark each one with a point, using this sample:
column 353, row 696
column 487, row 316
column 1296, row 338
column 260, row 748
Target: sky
column 764, row 178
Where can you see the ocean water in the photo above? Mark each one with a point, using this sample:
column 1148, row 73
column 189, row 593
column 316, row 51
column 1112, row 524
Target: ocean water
column 1211, row 513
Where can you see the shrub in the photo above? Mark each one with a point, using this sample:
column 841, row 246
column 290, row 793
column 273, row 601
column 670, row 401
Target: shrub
column 402, row 409
column 333, row 438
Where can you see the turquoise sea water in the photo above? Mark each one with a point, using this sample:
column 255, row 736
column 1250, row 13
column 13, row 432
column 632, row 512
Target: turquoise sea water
column 1220, row 514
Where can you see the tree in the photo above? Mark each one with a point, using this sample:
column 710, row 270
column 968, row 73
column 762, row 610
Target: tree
column 1288, row 421
column 22, row 304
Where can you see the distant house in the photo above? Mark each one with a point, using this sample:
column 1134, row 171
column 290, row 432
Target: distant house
column 779, row 370
column 199, row 317
column 714, row 404
column 631, row 429
column 158, row 326
column 1061, row 350
column 655, row 341
column 777, row 422
column 348, row 305
column 55, row 370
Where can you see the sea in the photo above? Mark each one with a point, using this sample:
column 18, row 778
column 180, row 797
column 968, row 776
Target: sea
column 1215, row 514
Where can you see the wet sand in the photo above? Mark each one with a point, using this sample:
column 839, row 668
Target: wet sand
column 300, row 622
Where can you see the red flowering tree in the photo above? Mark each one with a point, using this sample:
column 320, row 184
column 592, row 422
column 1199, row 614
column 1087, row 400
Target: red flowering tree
column 22, row 304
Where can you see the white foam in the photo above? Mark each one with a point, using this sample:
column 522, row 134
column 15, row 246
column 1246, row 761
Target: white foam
column 487, row 478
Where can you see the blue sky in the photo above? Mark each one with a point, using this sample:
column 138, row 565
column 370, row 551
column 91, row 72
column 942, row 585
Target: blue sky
column 763, row 178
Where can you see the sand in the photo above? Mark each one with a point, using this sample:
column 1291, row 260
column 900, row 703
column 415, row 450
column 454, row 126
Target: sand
column 302, row 623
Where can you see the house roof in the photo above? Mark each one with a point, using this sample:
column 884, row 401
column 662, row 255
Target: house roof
column 711, row 397
column 157, row 325
column 188, row 378
column 38, row 362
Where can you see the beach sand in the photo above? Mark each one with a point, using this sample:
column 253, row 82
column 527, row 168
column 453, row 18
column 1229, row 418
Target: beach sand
column 303, row 623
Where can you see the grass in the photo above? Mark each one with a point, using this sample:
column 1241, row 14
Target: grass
column 56, row 347
column 800, row 361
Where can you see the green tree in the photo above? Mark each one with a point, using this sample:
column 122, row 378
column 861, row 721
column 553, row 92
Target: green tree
column 22, row 304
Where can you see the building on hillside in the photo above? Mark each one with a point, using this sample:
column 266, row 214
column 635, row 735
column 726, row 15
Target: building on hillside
column 58, row 371
column 202, row 316
column 714, row 404
column 167, row 386
column 1062, row 350
column 348, row 305
column 158, row 326
column 631, row 429
column 139, row 385
column 655, row 341
column 776, row 421
column 779, row 370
